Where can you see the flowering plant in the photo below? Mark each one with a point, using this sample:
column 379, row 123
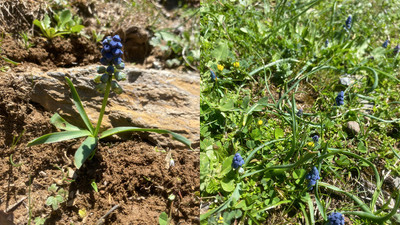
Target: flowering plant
column 111, row 53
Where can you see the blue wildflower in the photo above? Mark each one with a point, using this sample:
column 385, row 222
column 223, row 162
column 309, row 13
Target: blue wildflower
column 315, row 138
column 111, row 59
column 213, row 76
column 396, row 49
column 312, row 176
column 237, row 161
column 348, row 23
column 336, row 219
column 300, row 113
column 326, row 43
column 385, row 44
column 340, row 99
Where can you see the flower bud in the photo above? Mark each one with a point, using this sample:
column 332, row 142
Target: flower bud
column 101, row 69
column 120, row 76
column 104, row 78
column 116, row 88
column 121, row 66
column 116, row 38
column 110, row 69
column 97, row 78
column 101, row 88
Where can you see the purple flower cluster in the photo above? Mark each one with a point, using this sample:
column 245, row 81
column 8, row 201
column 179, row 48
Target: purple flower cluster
column 315, row 138
column 300, row 113
column 340, row 99
column 112, row 54
column 348, row 23
column 237, row 161
column 385, row 44
column 312, row 176
column 336, row 219
column 396, row 49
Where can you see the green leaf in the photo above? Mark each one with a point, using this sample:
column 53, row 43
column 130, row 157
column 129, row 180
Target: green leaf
column 77, row 28
column 116, row 130
column 65, row 16
column 163, row 219
column 278, row 133
column 79, row 106
column 84, row 151
column 60, row 123
column 226, row 166
column 228, row 184
column 59, row 136
column 221, row 52
column 53, row 202
column 94, row 186
column 46, row 22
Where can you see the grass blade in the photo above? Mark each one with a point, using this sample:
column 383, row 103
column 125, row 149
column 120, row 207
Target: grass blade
column 117, row 130
column 84, row 151
column 79, row 106
column 61, row 124
column 59, row 136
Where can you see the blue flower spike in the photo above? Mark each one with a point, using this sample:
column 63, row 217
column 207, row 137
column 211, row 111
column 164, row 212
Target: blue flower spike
column 348, row 23
column 213, row 76
column 237, row 161
column 340, row 99
column 315, row 138
column 326, row 43
column 312, row 176
column 396, row 49
column 385, row 44
column 113, row 64
column 336, row 218
column 300, row 113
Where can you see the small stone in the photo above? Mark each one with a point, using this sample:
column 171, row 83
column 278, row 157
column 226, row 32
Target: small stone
column 353, row 128
column 71, row 173
column 346, row 81
column 42, row 173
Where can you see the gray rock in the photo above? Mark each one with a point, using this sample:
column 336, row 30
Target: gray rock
column 151, row 99
column 346, row 81
column 353, row 128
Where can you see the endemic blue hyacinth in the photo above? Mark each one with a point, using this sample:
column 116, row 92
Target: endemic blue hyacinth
column 315, row 138
column 336, row 219
column 237, row 161
column 396, row 49
column 385, row 44
column 113, row 65
column 348, row 23
column 312, row 176
column 340, row 99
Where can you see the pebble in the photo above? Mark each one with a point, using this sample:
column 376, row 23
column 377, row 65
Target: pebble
column 353, row 128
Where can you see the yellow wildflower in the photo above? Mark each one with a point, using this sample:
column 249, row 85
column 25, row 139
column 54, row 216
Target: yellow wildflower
column 221, row 219
column 236, row 64
column 311, row 144
column 260, row 122
column 220, row 67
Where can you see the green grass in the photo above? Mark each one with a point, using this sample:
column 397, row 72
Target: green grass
column 284, row 65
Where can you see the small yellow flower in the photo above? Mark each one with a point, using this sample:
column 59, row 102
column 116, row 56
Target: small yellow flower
column 236, row 64
column 311, row 144
column 220, row 67
column 260, row 122
column 221, row 219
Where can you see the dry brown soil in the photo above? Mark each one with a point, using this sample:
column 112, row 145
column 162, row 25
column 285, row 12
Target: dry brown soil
column 133, row 174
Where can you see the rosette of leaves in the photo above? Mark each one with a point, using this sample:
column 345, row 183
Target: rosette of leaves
column 111, row 53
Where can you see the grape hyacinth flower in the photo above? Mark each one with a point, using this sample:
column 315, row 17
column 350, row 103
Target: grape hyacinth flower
column 340, row 99
column 312, row 176
column 336, row 219
column 385, row 44
column 326, row 43
column 213, row 76
column 396, row 49
column 112, row 65
column 237, row 161
column 315, row 138
column 300, row 113
column 348, row 23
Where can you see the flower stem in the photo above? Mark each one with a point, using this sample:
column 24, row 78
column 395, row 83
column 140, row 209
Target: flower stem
column 103, row 107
